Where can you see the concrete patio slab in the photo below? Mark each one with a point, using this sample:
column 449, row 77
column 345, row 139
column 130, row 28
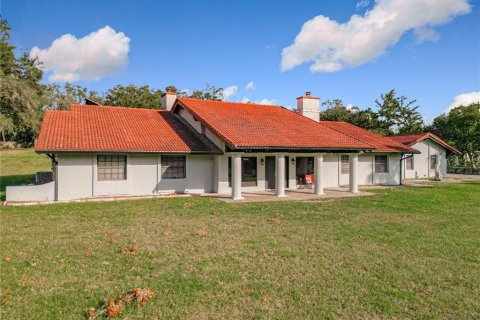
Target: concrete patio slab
column 293, row 195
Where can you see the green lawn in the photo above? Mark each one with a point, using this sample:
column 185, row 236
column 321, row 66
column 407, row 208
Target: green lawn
column 18, row 167
column 402, row 253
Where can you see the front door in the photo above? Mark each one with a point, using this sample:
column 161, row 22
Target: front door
column 270, row 172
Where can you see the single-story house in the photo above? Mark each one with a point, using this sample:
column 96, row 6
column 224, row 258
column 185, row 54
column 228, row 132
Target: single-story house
column 200, row 146
column 432, row 157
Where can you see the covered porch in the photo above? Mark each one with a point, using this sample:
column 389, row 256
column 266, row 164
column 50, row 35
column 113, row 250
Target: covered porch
column 286, row 174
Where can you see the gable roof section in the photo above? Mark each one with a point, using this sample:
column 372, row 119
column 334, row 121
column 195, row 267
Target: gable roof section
column 411, row 139
column 255, row 126
column 86, row 128
column 381, row 144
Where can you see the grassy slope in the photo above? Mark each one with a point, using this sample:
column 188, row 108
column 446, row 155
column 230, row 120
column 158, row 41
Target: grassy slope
column 404, row 253
column 19, row 166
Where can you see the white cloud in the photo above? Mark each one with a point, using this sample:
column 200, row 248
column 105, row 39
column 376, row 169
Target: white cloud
column 333, row 46
column 362, row 4
column 266, row 101
column 250, row 86
column 423, row 34
column 229, row 91
column 101, row 53
column 262, row 101
column 464, row 99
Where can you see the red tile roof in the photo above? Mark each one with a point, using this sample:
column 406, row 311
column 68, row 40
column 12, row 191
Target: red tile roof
column 411, row 139
column 118, row 129
column 381, row 144
column 255, row 126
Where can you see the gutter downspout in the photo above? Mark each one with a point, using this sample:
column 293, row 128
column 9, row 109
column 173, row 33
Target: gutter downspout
column 55, row 175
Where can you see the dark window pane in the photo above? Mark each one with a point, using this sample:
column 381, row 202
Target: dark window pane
column 249, row 172
column 173, row 167
column 304, row 166
column 111, row 167
column 381, row 164
column 410, row 164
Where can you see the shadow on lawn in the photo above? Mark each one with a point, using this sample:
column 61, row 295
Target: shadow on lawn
column 15, row 180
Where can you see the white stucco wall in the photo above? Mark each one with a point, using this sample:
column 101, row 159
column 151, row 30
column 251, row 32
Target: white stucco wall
column 330, row 172
column 42, row 192
column 190, row 119
column 77, row 177
column 75, row 173
column 421, row 167
column 392, row 177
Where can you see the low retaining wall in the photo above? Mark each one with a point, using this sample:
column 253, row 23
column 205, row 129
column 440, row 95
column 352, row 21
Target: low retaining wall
column 41, row 192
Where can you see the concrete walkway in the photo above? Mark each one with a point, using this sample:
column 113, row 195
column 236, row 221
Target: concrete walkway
column 293, row 195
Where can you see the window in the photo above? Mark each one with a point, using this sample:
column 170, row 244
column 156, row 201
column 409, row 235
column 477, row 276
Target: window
column 345, row 164
column 304, row 166
column 173, row 167
column 111, row 167
column 410, row 165
column 249, row 171
column 381, row 164
column 433, row 162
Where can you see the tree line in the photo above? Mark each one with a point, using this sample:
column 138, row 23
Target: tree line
column 23, row 99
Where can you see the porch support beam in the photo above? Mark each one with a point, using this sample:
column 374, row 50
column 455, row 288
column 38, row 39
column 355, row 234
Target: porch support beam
column 353, row 186
column 237, row 176
column 318, row 177
column 280, row 176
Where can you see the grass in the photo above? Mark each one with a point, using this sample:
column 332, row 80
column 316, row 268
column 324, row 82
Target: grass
column 18, row 167
column 403, row 253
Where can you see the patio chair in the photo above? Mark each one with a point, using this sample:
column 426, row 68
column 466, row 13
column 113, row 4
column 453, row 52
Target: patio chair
column 309, row 180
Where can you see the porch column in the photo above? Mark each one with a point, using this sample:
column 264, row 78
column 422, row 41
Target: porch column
column 353, row 172
column 280, row 176
column 237, row 176
column 318, row 178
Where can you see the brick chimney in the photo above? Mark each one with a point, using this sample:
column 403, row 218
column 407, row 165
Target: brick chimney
column 309, row 106
column 168, row 98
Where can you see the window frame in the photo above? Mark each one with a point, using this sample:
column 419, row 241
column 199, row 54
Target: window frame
column 344, row 164
column 386, row 163
column 410, row 163
column 106, row 172
column 164, row 167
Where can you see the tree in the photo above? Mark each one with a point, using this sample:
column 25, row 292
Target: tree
column 397, row 115
column 461, row 128
column 209, row 93
column 57, row 97
column 21, row 92
column 337, row 111
column 134, row 96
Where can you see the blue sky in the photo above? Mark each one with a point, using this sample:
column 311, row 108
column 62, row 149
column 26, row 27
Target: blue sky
column 232, row 43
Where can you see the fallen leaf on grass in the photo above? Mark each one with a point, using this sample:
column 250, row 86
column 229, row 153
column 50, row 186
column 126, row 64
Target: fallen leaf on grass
column 277, row 218
column 6, row 296
column 216, row 213
column 201, row 233
column 26, row 283
column 166, row 226
column 114, row 307
column 7, row 258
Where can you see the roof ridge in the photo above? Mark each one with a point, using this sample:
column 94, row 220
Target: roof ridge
column 114, row 107
column 235, row 102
